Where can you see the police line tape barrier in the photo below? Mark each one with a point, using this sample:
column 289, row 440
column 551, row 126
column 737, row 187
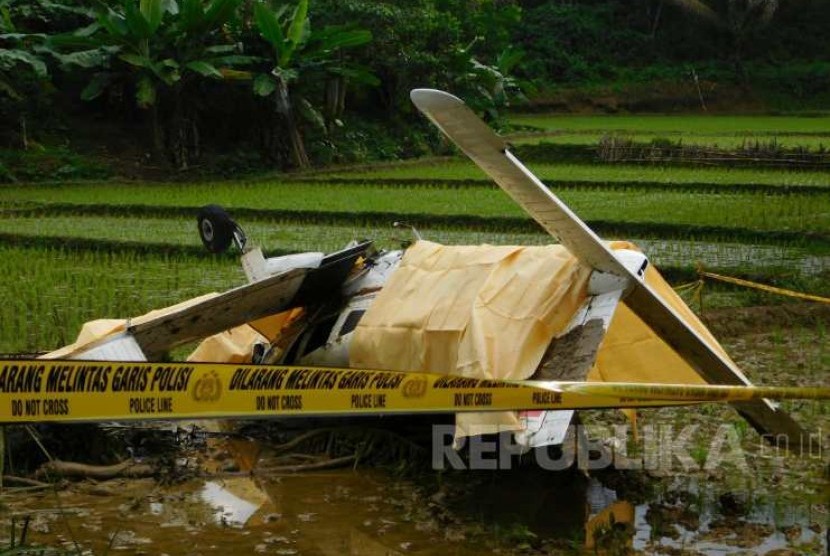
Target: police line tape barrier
column 46, row 391
column 764, row 287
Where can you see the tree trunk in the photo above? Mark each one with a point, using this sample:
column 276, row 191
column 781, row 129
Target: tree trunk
column 24, row 134
column 655, row 22
column 738, row 60
column 335, row 100
column 184, row 143
column 285, row 110
column 178, row 135
column 158, row 134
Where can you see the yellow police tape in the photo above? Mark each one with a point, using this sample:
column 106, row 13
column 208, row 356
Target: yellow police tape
column 764, row 287
column 39, row 390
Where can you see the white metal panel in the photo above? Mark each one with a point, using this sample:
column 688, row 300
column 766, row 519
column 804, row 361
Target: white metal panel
column 121, row 347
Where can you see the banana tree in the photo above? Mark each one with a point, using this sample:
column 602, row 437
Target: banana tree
column 162, row 48
column 300, row 56
column 19, row 63
column 488, row 88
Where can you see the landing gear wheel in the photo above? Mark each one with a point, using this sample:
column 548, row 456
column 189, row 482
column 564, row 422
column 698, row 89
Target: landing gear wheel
column 215, row 228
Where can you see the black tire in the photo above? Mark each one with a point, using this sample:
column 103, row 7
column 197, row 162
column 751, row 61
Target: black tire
column 215, row 228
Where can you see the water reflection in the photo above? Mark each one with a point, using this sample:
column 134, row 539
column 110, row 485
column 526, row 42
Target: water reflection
column 369, row 512
column 234, row 501
column 610, row 521
column 694, row 515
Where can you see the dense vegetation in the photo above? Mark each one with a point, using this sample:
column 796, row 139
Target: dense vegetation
column 222, row 86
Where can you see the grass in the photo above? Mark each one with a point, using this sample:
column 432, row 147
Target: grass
column 688, row 124
column 731, row 210
column 49, row 293
column 288, row 236
column 590, row 138
column 459, row 169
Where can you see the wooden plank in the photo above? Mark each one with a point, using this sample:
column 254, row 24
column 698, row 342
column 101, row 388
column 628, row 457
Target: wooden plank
column 227, row 310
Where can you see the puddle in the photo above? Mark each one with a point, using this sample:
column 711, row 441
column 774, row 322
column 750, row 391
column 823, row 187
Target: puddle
column 344, row 512
column 699, row 519
column 234, row 501
column 369, row 512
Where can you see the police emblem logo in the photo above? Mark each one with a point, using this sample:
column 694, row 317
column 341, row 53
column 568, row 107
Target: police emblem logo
column 208, row 388
column 414, row 388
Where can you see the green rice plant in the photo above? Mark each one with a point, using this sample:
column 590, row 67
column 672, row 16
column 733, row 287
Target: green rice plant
column 808, row 213
column 463, row 169
column 613, row 148
column 78, row 286
column 284, row 236
column 174, row 231
column 591, row 139
column 49, row 292
column 689, row 124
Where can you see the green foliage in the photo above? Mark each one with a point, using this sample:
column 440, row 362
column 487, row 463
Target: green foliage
column 740, row 20
column 487, row 88
column 366, row 140
column 577, row 42
column 411, row 43
column 162, row 44
column 162, row 50
column 38, row 164
column 188, row 64
column 307, row 58
column 298, row 50
column 794, row 85
column 17, row 54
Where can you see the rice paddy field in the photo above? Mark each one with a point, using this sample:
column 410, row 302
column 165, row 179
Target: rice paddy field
column 587, row 174
column 73, row 252
column 737, row 125
column 76, row 251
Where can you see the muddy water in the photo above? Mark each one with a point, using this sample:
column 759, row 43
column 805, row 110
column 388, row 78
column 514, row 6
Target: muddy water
column 325, row 513
column 369, row 512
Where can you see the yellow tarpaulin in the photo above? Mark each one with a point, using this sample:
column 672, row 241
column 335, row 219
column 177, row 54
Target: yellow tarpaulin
column 236, row 345
column 231, row 346
column 477, row 311
column 487, row 311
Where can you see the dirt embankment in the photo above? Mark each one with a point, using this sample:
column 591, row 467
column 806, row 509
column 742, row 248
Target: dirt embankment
column 654, row 96
column 731, row 322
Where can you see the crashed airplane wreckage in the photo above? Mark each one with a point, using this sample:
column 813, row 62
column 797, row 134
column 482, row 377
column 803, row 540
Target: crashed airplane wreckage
column 584, row 317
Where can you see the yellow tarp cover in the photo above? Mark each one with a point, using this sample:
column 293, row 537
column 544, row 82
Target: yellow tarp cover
column 236, row 345
column 487, row 311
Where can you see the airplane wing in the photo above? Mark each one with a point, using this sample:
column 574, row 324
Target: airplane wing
column 294, row 288
column 491, row 154
column 227, row 310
